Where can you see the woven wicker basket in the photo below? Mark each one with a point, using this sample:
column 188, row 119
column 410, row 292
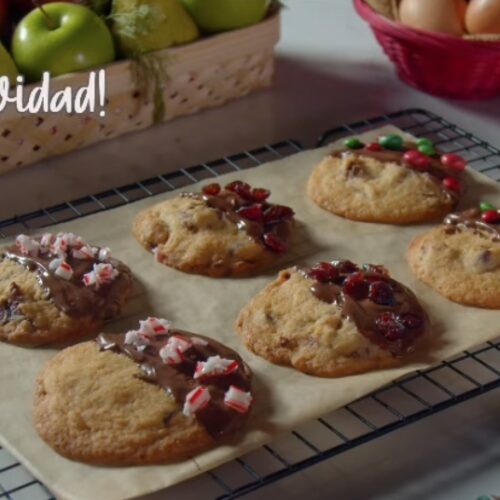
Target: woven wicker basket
column 200, row 75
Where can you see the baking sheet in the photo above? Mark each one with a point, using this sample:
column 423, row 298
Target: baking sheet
column 284, row 397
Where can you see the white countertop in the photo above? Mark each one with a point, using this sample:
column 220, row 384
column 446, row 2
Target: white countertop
column 329, row 71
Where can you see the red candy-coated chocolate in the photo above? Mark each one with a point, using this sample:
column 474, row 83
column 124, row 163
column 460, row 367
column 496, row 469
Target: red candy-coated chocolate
column 453, row 161
column 416, row 159
column 490, row 216
column 274, row 243
column 253, row 212
column 452, row 184
column 211, row 189
column 374, row 146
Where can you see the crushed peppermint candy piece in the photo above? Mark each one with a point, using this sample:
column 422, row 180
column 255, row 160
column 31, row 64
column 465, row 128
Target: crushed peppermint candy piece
column 72, row 239
column 196, row 400
column 136, row 338
column 27, row 245
column 64, row 270
column 60, row 245
column 237, row 399
column 198, row 341
column 156, row 253
column 85, row 252
column 46, row 240
column 152, row 326
column 215, row 365
column 173, row 351
column 104, row 253
column 100, row 275
column 55, row 263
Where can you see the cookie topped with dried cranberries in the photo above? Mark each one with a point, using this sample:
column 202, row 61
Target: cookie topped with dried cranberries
column 221, row 230
column 384, row 310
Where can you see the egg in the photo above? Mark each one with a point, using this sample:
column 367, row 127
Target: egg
column 483, row 16
column 440, row 16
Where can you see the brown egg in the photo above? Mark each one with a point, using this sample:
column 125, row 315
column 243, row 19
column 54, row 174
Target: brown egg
column 440, row 16
column 483, row 16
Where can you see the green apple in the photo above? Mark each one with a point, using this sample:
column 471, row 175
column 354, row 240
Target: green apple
column 61, row 38
column 7, row 66
column 213, row 16
column 141, row 26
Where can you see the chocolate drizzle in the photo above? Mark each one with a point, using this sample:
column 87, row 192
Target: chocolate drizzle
column 72, row 296
column 436, row 169
column 365, row 313
column 470, row 220
column 177, row 379
column 228, row 203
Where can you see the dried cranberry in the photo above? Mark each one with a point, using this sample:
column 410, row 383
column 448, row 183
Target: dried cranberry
column 278, row 213
column 323, row 272
column 356, row 286
column 240, row 188
column 253, row 212
column 411, row 321
column 274, row 243
column 260, row 194
column 381, row 293
column 388, row 325
column 346, row 266
column 211, row 189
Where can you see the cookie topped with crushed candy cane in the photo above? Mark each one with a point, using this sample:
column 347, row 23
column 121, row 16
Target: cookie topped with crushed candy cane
column 57, row 287
column 165, row 394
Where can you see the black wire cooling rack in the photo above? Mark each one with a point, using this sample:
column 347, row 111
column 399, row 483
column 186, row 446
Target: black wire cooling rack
column 399, row 404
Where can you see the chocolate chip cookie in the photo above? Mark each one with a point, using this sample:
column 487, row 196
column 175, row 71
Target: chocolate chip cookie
column 58, row 287
column 388, row 181
column 460, row 259
column 334, row 319
column 152, row 395
column 230, row 231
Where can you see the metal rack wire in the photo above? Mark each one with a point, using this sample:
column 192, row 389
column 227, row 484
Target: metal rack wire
column 399, row 404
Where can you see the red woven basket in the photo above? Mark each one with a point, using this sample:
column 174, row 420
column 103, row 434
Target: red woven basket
column 436, row 63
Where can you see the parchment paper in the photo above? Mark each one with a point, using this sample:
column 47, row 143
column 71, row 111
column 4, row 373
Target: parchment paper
column 285, row 398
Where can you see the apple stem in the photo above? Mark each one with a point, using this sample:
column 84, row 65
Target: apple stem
column 50, row 22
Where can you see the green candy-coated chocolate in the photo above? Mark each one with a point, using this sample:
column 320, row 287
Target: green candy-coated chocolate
column 427, row 150
column 391, row 141
column 353, row 143
column 423, row 141
column 486, row 206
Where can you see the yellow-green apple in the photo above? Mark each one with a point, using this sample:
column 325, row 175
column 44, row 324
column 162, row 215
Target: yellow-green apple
column 7, row 66
column 221, row 15
column 61, row 38
column 144, row 25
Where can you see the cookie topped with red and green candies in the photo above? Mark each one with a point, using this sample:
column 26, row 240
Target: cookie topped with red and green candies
column 390, row 180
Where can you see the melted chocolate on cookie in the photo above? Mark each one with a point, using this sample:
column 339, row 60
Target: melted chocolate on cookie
column 72, row 296
column 434, row 167
column 248, row 209
column 471, row 220
column 384, row 311
column 177, row 379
